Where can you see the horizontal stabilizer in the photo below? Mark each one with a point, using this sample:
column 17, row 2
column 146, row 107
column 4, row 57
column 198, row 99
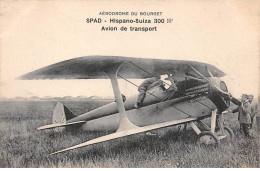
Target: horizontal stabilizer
column 125, row 133
column 58, row 125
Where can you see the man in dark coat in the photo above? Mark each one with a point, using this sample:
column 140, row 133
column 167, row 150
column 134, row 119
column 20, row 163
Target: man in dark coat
column 244, row 116
column 147, row 84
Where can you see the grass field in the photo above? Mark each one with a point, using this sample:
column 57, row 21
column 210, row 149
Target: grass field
column 21, row 145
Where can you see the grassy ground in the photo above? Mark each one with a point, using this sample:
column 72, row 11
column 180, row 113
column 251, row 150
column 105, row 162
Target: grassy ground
column 21, row 145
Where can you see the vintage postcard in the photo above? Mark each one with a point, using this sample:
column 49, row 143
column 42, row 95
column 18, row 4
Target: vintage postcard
column 126, row 84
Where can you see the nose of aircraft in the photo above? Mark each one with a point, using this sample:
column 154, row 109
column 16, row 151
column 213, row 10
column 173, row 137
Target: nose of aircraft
column 219, row 86
column 219, row 93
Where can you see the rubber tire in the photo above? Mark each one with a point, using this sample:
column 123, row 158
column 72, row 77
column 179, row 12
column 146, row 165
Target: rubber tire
column 230, row 131
column 208, row 133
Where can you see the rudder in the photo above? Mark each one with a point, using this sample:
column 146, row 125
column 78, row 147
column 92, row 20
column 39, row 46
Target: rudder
column 61, row 114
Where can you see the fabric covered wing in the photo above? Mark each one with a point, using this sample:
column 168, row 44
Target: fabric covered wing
column 125, row 133
column 95, row 67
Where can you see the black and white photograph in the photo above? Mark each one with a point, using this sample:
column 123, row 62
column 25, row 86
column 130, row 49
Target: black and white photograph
column 129, row 84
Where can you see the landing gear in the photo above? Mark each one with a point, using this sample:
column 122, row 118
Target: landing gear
column 224, row 131
column 228, row 132
column 210, row 137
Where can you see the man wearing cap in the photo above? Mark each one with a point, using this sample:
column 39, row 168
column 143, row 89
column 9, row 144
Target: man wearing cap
column 146, row 85
column 244, row 115
column 253, row 108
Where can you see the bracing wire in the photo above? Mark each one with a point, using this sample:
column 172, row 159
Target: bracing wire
column 168, row 84
column 154, row 95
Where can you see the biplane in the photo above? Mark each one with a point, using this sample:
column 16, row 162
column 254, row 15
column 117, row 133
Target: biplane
column 200, row 94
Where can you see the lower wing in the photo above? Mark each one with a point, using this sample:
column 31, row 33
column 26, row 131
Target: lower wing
column 125, row 133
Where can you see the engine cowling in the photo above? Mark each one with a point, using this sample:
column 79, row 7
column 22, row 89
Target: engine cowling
column 218, row 94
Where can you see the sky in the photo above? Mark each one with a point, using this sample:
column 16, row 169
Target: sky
column 35, row 34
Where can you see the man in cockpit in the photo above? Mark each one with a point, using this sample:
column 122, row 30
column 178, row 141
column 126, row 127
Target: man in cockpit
column 173, row 82
column 147, row 84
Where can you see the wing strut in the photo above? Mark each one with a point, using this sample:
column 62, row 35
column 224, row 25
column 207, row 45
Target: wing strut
column 125, row 124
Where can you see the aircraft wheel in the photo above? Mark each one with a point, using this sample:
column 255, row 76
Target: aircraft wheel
column 229, row 132
column 207, row 138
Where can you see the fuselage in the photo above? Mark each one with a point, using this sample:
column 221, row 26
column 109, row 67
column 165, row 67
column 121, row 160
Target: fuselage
column 193, row 99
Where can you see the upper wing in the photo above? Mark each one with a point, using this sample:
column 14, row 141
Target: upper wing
column 95, row 67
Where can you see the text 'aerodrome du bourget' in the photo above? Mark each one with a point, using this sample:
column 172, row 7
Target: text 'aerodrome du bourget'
column 130, row 21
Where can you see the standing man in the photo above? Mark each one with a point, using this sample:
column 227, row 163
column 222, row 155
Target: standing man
column 244, row 115
column 147, row 84
column 254, row 109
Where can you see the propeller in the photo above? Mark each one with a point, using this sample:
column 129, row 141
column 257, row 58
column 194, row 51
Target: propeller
column 211, row 75
column 211, row 81
column 223, row 92
column 202, row 76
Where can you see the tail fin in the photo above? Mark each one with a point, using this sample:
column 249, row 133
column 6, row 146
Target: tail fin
column 61, row 114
